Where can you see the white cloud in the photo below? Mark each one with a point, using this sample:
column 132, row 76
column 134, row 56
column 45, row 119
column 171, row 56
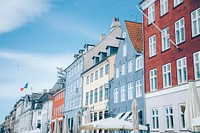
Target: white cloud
column 16, row 13
column 19, row 68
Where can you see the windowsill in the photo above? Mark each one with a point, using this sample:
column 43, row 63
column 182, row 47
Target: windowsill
column 178, row 5
column 180, row 43
column 193, row 37
column 153, row 90
column 184, row 129
column 165, row 50
column 152, row 56
column 169, row 130
column 150, row 23
column 155, row 130
column 164, row 14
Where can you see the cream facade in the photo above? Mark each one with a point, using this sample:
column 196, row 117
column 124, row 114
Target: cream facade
column 96, row 88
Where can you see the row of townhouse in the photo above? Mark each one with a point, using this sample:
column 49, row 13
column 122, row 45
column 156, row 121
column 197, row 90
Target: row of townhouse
column 150, row 62
column 31, row 113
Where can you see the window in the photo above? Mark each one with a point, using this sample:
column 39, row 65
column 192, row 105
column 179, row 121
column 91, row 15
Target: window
column 101, row 93
column 138, row 88
column 91, row 117
column 123, row 69
column 153, row 79
column 96, row 74
column 182, row 116
column 130, row 90
column 196, row 57
column 101, row 72
column 87, row 80
column 165, row 39
column 182, row 70
column 100, row 115
column 155, row 120
column 151, row 14
column 152, row 45
column 139, row 63
column 177, row 2
column 123, row 93
column 116, row 95
column 95, row 116
column 91, row 96
column 96, row 95
column 195, row 18
column 169, row 123
column 124, row 50
column 91, row 77
column 117, row 72
column 39, row 113
column 180, row 31
column 163, row 7
column 107, row 69
column 130, row 66
column 166, row 69
column 106, row 93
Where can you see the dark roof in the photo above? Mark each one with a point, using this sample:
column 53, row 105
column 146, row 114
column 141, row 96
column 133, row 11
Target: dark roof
column 134, row 30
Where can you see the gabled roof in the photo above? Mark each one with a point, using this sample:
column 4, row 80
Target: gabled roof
column 134, row 30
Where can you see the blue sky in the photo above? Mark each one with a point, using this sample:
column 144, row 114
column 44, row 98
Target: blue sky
column 36, row 36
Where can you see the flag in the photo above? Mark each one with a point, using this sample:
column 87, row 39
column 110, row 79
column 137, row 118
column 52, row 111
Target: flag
column 25, row 87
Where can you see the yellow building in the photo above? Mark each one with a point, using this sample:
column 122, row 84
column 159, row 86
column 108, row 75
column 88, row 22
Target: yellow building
column 96, row 84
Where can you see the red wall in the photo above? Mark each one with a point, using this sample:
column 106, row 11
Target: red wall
column 188, row 47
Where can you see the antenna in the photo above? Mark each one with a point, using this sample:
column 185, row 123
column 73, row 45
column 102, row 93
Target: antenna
column 179, row 49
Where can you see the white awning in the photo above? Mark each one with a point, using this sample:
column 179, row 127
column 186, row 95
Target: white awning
column 126, row 115
column 119, row 115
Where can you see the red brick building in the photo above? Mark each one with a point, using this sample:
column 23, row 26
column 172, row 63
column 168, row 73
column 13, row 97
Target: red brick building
column 168, row 66
column 57, row 109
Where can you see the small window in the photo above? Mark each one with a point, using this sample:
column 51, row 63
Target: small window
column 182, row 70
column 167, row 81
column 180, row 31
column 151, row 14
column 87, row 80
column 91, row 77
column 152, row 45
column 96, row 95
column 123, row 69
column 130, row 90
column 195, row 18
column 196, row 57
column 96, row 74
column 169, row 120
column 116, row 95
column 165, row 39
column 139, row 63
column 91, row 96
column 123, row 93
column 163, row 7
column 138, row 88
column 153, row 79
column 130, row 66
column 101, row 93
column 155, row 119
column 106, row 69
column 117, row 72
column 101, row 72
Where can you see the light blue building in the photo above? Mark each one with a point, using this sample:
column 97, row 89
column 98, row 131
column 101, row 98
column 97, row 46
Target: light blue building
column 73, row 87
column 128, row 82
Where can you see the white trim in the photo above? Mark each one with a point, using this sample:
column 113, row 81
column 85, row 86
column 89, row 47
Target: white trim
column 146, row 4
column 173, row 89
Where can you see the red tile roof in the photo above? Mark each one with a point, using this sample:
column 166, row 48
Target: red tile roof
column 135, row 33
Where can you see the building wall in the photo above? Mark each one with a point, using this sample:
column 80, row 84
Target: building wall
column 174, row 95
column 73, row 91
column 46, row 116
column 99, row 106
column 57, row 107
column 188, row 47
column 125, row 106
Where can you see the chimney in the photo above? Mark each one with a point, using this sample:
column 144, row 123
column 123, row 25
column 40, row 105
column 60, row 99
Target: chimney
column 102, row 36
column 115, row 23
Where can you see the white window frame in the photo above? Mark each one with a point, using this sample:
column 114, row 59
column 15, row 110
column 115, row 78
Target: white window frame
column 151, row 13
column 123, row 93
column 163, row 7
column 139, row 63
column 152, row 45
column 165, row 39
column 87, row 80
column 117, row 72
column 196, row 57
column 167, row 80
column 155, row 118
column 169, row 118
column 130, row 90
column 153, row 79
column 116, row 95
column 195, row 21
column 177, row 2
column 182, row 117
column 123, row 69
column 139, row 88
column 124, row 52
column 180, row 31
column 130, row 66
column 182, row 67
column 96, row 74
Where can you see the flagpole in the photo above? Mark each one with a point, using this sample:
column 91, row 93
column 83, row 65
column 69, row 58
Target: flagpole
column 157, row 27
